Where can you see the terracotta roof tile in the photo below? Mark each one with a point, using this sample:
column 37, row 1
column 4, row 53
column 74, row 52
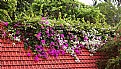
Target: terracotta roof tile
column 15, row 57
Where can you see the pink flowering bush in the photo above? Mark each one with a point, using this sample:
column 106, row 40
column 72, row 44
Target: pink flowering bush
column 58, row 38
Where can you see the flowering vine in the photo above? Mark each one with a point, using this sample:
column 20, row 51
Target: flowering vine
column 57, row 39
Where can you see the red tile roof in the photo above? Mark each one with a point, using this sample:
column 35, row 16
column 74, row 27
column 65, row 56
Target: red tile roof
column 15, row 57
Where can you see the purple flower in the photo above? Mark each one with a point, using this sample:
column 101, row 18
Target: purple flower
column 58, row 40
column 56, row 55
column 62, row 35
column 39, row 55
column 43, row 41
column 43, row 54
column 29, row 54
column 42, row 27
column 82, row 46
column 48, row 35
column 38, row 35
column 104, row 41
column 54, row 52
column 51, row 28
column 6, row 23
column 61, row 25
column 14, row 37
column 43, row 18
column 52, row 43
column 52, row 34
column 66, row 45
column 63, row 46
column 72, row 48
column 47, row 22
column 55, row 38
column 47, row 32
column 63, row 52
column 65, row 40
column 16, row 25
column 85, row 38
column 17, row 32
column 77, row 39
column 77, row 51
column 99, row 38
column 39, row 48
column 36, row 58
column 97, row 45
column 4, row 34
column 57, row 52
column 72, row 37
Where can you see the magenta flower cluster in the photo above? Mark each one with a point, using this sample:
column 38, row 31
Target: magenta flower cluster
column 41, row 35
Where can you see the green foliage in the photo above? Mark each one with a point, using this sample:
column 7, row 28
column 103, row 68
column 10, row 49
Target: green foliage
column 77, row 25
column 25, row 10
column 7, row 10
column 4, row 15
column 111, row 12
column 67, row 9
column 112, row 51
column 17, row 10
column 54, row 8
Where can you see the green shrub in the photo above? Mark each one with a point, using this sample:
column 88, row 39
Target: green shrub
column 112, row 52
column 111, row 12
column 14, row 10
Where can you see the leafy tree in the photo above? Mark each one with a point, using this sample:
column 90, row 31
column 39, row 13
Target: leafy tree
column 111, row 12
column 116, row 2
column 14, row 10
column 26, row 9
column 67, row 9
